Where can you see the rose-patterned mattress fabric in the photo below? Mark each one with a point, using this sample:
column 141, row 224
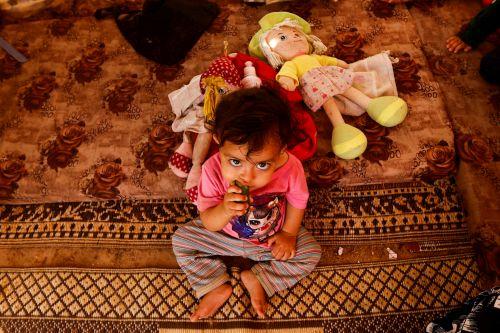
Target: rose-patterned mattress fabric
column 87, row 118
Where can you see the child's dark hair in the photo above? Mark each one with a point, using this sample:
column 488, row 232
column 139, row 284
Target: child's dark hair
column 252, row 116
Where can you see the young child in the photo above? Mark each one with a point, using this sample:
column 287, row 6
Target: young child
column 252, row 128
column 483, row 24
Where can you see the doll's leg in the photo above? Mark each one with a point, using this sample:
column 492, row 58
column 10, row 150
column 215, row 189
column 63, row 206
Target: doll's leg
column 333, row 112
column 200, row 151
column 180, row 161
column 357, row 97
column 348, row 142
column 386, row 110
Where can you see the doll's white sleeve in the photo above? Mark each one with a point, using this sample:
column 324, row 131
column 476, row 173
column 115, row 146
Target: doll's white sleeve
column 289, row 69
column 326, row 60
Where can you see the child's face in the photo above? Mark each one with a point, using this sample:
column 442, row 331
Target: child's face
column 288, row 42
column 255, row 170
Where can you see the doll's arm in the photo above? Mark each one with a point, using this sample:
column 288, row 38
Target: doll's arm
column 331, row 61
column 287, row 76
column 287, row 83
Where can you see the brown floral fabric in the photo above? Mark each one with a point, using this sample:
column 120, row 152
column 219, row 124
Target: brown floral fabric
column 325, row 170
column 88, row 67
column 445, row 65
column 119, row 98
column 440, row 162
column 22, row 11
column 12, row 169
column 382, row 9
column 34, row 95
column 165, row 74
column 348, row 46
column 60, row 28
column 107, row 177
column 8, row 65
column 425, row 5
column 156, row 152
column 86, row 100
column 62, row 151
column 473, row 149
column 378, row 150
column 473, row 106
column 406, row 72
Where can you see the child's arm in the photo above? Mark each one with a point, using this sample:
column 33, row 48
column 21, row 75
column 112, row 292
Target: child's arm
column 234, row 204
column 284, row 242
column 293, row 219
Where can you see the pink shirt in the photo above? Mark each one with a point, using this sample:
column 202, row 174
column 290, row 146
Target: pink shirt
column 288, row 184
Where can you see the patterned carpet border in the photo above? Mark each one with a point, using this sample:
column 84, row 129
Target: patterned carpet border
column 165, row 295
column 417, row 211
column 408, row 322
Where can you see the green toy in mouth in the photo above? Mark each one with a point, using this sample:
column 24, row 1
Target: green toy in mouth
column 245, row 190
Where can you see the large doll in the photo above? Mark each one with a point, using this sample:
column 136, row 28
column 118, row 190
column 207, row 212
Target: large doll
column 285, row 40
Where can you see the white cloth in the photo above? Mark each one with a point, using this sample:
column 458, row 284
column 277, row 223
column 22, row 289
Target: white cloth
column 187, row 105
column 374, row 77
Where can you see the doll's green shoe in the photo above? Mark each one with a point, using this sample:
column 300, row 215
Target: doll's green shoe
column 388, row 111
column 348, row 142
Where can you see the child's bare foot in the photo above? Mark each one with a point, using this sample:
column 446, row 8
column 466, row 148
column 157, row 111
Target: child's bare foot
column 257, row 292
column 455, row 45
column 211, row 302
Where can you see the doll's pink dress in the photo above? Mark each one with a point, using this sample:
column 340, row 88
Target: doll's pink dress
column 321, row 83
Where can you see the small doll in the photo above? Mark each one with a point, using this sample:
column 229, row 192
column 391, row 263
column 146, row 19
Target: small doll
column 219, row 79
column 285, row 40
column 250, row 78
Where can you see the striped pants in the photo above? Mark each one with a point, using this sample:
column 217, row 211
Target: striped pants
column 195, row 248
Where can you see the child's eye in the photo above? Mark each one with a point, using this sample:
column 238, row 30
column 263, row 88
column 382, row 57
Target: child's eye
column 263, row 165
column 235, row 162
column 254, row 222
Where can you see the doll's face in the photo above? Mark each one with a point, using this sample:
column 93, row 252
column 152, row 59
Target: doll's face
column 288, row 42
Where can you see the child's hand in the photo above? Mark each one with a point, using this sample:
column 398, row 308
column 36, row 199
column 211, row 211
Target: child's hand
column 235, row 203
column 287, row 83
column 342, row 63
column 455, row 44
column 283, row 245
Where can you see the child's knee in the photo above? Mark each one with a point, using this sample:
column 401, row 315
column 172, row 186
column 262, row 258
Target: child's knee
column 315, row 253
column 178, row 238
column 310, row 254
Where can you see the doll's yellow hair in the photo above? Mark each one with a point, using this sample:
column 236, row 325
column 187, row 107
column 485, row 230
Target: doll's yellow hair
column 275, row 59
column 258, row 46
column 213, row 87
